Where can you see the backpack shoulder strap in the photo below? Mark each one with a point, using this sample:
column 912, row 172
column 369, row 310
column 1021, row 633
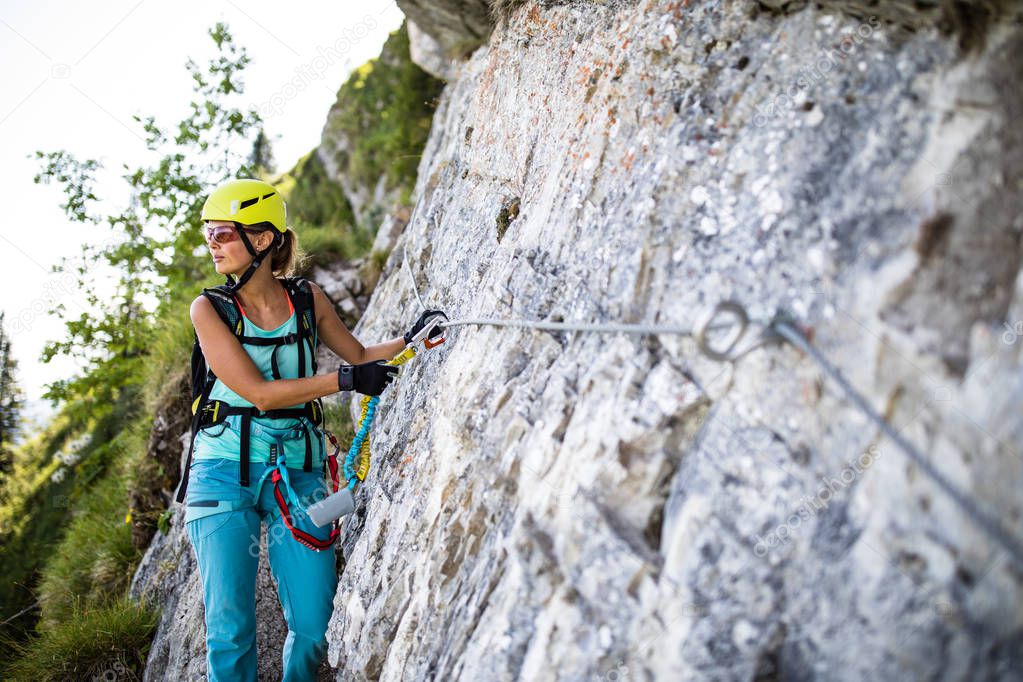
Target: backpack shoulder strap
column 302, row 295
column 202, row 375
column 305, row 311
column 226, row 306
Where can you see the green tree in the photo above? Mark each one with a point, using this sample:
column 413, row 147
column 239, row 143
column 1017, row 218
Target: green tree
column 10, row 403
column 152, row 247
column 152, row 244
column 261, row 158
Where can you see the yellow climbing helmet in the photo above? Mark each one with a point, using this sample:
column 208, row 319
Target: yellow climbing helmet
column 247, row 201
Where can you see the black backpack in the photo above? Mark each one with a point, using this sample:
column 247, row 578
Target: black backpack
column 206, row 413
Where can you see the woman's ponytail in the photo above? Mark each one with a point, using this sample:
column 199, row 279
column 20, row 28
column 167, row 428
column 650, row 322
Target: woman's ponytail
column 287, row 256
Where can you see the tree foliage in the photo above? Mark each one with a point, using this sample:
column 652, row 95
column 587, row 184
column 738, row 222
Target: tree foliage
column 261, row 159
column 10, row 402
column 152, row 244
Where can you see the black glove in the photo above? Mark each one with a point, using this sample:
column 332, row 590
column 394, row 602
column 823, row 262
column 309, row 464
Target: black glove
column 370, row 378
column 423, row 320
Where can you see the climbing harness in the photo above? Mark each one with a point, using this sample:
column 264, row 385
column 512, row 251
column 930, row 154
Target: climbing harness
column 207, row 413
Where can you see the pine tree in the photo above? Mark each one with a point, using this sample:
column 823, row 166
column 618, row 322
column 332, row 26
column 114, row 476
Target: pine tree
column 10, row 402
column 261, row 159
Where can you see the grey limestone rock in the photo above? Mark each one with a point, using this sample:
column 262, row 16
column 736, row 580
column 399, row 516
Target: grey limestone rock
column 579, row 506
column 572, row 506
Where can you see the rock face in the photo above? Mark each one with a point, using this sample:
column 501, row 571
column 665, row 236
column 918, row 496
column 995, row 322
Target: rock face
column 348, row 289
column 430, row 54
column 162, row 455
column 451, row 28
column 581, row 506
column 574, row 506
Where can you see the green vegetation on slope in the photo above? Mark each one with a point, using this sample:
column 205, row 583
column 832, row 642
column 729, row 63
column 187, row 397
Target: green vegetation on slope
column 383, row 113
column 320, row 213
column 108, row 643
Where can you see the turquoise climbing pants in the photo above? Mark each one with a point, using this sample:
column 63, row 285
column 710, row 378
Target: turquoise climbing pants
column 223, row 521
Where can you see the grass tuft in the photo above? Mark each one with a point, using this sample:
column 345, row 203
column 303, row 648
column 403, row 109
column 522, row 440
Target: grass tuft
column 105, row 643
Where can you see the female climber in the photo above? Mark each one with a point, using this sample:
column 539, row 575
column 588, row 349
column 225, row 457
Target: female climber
column 258, row 412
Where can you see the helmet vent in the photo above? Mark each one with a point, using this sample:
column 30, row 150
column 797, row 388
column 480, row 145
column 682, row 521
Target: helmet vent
column 267, row 196
column 249, row 202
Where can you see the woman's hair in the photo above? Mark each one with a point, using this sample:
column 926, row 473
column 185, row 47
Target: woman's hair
column 288, row 256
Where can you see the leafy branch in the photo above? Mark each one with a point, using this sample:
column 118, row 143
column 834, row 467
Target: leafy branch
column 151, row 244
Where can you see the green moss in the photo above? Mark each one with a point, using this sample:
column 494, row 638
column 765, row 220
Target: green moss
column 384, row 112
column 379, row 259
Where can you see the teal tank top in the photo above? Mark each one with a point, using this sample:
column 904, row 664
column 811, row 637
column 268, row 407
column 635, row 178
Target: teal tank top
column 223, row 440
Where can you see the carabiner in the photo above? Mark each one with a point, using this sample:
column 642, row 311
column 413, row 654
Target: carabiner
column 422, row 341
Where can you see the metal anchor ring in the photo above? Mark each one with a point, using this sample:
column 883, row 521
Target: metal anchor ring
column 731, row 315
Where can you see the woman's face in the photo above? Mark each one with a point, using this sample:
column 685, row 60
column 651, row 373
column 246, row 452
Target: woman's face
column 233, row 257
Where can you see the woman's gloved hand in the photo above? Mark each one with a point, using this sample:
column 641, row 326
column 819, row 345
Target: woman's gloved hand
column 424, row 320
column 370, row 378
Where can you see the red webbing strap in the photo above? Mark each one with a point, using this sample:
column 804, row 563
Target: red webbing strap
column 333, row 468
column 305, row 538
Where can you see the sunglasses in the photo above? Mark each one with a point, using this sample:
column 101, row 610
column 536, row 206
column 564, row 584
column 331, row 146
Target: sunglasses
column 224, row 234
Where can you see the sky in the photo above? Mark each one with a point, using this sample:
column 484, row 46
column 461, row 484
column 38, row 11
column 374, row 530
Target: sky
column 74, row 74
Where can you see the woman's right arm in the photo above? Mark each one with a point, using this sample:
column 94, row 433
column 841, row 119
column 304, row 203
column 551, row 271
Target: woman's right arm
column 233, row 366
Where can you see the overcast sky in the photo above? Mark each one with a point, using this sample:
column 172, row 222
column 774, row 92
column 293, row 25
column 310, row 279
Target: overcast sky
column 74, row 73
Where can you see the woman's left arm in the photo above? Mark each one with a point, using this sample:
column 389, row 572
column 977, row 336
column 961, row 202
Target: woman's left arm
column 333, row 332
